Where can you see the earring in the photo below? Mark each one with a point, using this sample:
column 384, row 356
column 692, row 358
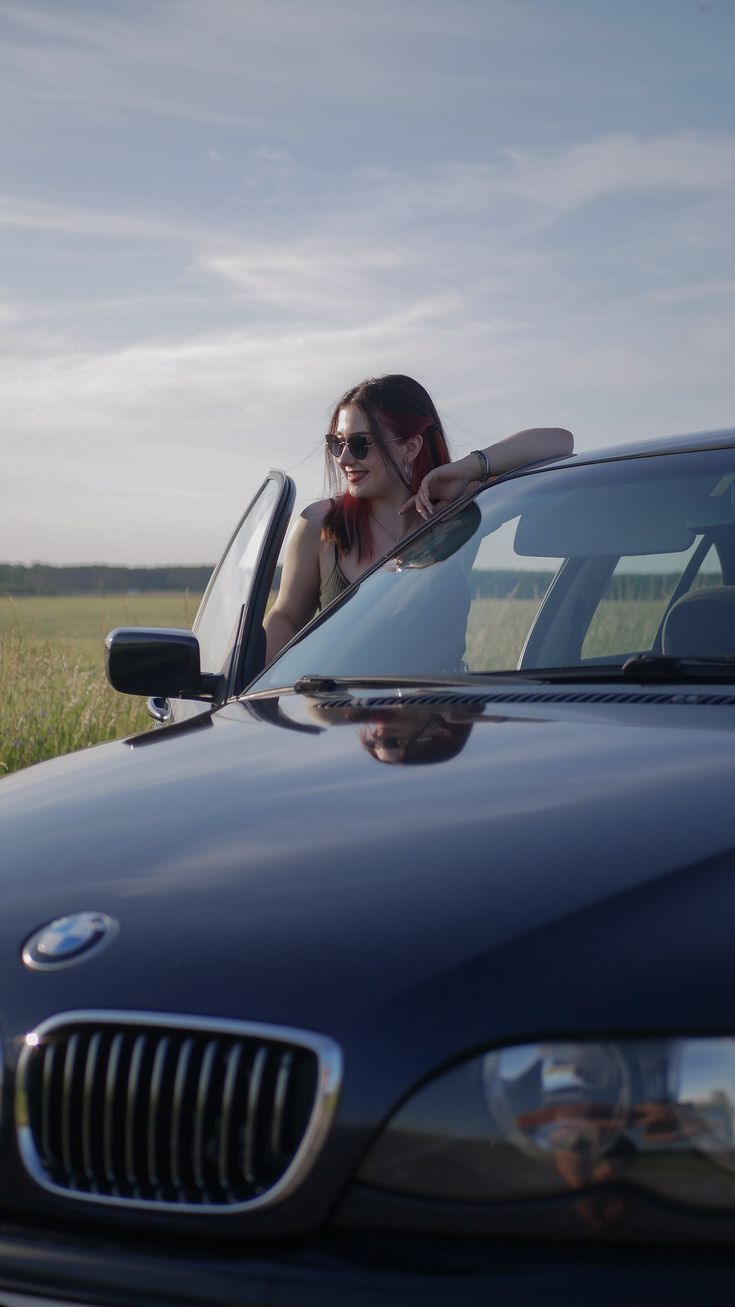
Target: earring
column 407, row 470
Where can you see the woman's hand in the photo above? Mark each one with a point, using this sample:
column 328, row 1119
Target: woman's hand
column 532, row 445
column 443, row 484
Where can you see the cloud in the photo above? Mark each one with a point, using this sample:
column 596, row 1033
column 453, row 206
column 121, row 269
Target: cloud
column 313, row 275
column 36, row 215
column 553, row 182
column 245, row 61
column 400, row 206
column 697, row 293
column 563, row 181
column 140, row 63
column 267, row 155
column 10, row 315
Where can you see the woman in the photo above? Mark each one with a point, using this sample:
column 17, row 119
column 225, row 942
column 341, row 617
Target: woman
column 388, row 464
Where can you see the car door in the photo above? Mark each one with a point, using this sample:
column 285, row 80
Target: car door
column 229, row 621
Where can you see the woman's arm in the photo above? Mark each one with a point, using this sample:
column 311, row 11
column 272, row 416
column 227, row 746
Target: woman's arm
column 453, row 479
column 298, row 595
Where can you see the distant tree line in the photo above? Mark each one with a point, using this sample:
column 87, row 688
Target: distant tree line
column 43, row 579
column 491, row 583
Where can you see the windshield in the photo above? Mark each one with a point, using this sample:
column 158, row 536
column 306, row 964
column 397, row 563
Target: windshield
column 572, row 567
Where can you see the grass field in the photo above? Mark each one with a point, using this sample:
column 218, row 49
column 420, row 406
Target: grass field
column 498, row 628
column 53, row 693
column 496, row 631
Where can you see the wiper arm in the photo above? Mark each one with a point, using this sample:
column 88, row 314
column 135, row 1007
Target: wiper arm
column 317, row 684
column 642, row 667
column 669, row 667
column 314, row 685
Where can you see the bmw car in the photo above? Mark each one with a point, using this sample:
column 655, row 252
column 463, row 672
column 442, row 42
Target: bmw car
column 401, row 970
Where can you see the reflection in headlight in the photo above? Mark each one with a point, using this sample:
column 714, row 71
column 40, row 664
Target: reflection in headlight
column 571, row 1118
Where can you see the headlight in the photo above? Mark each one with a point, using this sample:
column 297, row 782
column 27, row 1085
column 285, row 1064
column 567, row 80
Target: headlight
column 544, row 1120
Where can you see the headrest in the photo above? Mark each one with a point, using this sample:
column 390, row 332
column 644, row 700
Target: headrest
column 702, row 623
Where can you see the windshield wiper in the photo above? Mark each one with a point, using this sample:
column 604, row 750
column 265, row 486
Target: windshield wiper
column 670, row 667
column 318, row 684
column 640, row 667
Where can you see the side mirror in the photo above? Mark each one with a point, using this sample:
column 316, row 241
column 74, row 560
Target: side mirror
column 154, row 661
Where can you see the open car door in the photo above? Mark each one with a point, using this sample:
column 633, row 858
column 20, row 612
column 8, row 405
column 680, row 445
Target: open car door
column 229, row 622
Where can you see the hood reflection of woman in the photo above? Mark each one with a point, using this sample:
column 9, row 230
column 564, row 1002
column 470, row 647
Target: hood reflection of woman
column 434, row 737
column 404, row 735
column 388, row 466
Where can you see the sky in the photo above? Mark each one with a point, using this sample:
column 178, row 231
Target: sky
column 217, row 215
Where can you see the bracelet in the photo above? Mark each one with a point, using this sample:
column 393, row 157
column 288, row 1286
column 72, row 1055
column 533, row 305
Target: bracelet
column 485, row 473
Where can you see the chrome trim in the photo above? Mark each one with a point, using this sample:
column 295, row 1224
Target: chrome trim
column 159, row 708
column 329, row 1081
column 107, row 930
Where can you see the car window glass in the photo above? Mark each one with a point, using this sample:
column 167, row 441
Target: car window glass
column 507, row 592
column 710, row 572
column 634, row 600
column 551, row 568
column 217, row 620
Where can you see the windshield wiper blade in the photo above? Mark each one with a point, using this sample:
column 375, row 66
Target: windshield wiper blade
column 670, row 667
column 643, row 667
column 318, row 684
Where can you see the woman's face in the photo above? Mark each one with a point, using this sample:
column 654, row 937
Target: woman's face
column 394, row 737
column 368, row 477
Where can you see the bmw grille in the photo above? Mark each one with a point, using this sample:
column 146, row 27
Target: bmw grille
column 170, row 1112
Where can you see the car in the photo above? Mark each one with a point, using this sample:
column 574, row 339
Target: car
column 399, row 970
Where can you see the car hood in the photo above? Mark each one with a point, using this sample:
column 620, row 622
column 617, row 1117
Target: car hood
column 262, row 862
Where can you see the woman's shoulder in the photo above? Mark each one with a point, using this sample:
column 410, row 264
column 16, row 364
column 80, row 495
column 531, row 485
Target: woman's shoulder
column 305, row 545
column 314, row 514
column 307, row 529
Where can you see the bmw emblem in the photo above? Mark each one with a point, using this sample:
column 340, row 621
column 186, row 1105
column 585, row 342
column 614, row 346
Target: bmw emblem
column 68, row 940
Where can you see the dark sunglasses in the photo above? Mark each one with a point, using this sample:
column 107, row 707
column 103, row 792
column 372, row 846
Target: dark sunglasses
column 387, row 742
column 357, row 445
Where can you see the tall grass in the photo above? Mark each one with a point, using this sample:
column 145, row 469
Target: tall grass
column 54, row 702
column 623, row 626
column 497, row 630
column 54, row 696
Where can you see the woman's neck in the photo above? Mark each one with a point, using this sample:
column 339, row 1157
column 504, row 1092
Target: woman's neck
column 385, row 513
column 391, row 502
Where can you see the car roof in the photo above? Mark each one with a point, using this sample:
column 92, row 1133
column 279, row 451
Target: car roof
column 720, row 439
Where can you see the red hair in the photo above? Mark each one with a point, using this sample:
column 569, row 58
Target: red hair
column 392, row 406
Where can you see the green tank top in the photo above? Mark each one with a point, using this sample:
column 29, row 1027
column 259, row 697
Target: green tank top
column 335, row 584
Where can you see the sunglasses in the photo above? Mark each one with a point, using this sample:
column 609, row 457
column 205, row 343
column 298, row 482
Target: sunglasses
column 387, row 742
column 357, row 445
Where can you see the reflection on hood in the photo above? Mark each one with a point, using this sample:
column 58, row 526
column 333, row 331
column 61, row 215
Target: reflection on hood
column 405, row 735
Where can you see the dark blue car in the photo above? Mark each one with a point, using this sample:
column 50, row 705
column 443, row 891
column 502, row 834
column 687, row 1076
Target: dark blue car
column 400, row 971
